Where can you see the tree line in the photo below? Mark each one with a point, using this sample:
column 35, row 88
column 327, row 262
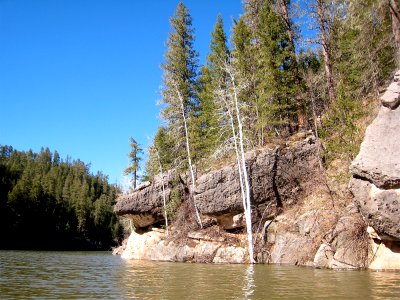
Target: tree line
column 50, row 203
column 281, row 86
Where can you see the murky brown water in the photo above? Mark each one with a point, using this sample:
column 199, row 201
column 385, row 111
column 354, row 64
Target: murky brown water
column 99, row 275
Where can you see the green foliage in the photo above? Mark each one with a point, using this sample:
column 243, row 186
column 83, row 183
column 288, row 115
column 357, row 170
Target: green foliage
column 280, row 90
column 340, row 132
column 159, row 153
column 207, row 129
column 135, row 159
column 180, row 80
column 175, row 200
column 47, row 202
column 277, row 71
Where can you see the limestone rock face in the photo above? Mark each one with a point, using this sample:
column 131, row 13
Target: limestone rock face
column 152, row 245
column 376, row 179
column 144, row 205
column 391, row 98
column 276, row 175
column 385, row 254
column 380, row 207
column 379, row 159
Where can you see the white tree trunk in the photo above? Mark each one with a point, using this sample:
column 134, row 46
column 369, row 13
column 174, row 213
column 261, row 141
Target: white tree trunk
column 163, row 190
column 189, row 157
column 242, row 168
column 232, row 122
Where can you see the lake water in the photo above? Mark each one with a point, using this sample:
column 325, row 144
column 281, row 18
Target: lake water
column 99, row 275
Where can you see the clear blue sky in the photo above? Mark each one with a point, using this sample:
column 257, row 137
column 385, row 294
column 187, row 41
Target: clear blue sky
column 81, row 77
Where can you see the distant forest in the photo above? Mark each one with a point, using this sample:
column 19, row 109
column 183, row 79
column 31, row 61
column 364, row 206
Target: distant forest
column 50, row 203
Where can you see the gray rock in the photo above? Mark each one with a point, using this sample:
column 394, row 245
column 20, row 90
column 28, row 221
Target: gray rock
column 290, row 248
column 324, row 256
column 379, row 159
column 380, row 208
column 144, row 205
column 276, row 175
column 391, row 98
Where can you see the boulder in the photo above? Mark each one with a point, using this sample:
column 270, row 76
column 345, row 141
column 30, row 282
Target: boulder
column 378, row 160
column 385, row 252
column 346, row 245
column 380, row 207
column 144, row 205
column 139, row 245
column 324, row 256
column 391, row 97
column 230, row 255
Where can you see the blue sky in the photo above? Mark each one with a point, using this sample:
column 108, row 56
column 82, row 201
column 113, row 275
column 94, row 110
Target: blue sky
column 82, row 77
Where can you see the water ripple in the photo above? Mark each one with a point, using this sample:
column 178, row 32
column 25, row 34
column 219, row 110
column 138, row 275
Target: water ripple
column 98, row 275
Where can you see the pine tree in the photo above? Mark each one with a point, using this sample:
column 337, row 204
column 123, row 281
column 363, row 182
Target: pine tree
column 212, row 77
column 159, row 151
column 135, row 160
column 179, row 93
column 278, row 73
column 180, row 76
column 245, row 62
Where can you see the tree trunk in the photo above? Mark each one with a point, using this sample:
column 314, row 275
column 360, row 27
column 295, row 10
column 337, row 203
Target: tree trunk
column 326, row 51
column 395, row 14
column 134, row 179
column 247, row 202
column 189, row 158
column 163, row 190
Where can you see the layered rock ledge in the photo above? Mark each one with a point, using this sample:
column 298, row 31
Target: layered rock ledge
column 376, row 180
column 277, row 176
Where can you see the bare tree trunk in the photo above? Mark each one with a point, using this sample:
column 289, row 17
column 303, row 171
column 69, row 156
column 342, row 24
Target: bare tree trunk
column 326, row 51
column 134, row 179
column 234, row 135
column 247, row 206
column 189, row 158
column 285, row 14
column 163, row 190
column 395, row 14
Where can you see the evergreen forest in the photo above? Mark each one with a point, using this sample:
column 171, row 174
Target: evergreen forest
column 288, row 67
column 50, row 203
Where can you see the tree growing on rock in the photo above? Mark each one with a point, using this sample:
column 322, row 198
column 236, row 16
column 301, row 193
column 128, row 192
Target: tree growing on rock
column 179, row 92
column 135, row 159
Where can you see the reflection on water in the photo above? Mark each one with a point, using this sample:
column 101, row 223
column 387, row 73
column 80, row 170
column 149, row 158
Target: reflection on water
column 249, row 282
column 98, row 275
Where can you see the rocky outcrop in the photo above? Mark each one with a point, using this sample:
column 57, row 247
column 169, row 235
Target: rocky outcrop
column 277, row 177
column 391, row 97
column 144, row 205
column 379, row 161
column 199, row 247
column 344, row 247
column 376, row 176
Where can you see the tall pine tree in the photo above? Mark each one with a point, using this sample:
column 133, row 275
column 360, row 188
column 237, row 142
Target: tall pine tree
column 179, row 93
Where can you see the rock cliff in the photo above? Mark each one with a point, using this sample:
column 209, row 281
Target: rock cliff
column 300, row 216
column 376, row 179
column 278, row 177
column 293, row 213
